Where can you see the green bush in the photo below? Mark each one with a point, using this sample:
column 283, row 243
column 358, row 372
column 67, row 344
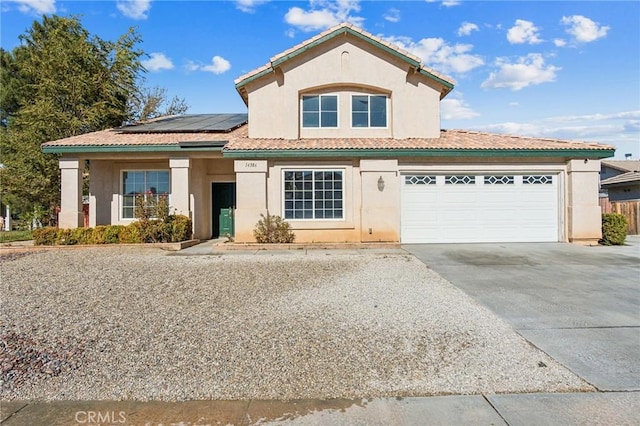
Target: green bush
column 180, row 228
column 130, row 234
column 273, row 229
column 175, row 228
column 614, row 229
column 97, row 236
column 47, row 236
column 111, row 234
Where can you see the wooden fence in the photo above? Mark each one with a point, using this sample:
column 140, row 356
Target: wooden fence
column 631, row 210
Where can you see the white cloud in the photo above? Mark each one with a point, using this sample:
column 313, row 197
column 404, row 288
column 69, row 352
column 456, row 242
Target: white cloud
column 467, row 28
column 324, row 14
column 583, row 29
column 249, row 6
column 523, row 32
column 525, row 71
column 621, row 129
column 446, row 3
column 191, row 66
column 291, row 33
column 455, row 108
column 559, row 42
column 38, row 7
column 157, row 62
column 514, row 104
column 218, row 65
column 441, row 56
column 392, row 15
column 134, row 9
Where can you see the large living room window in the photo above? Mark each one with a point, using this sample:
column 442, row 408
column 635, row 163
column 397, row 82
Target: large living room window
column 369, row 111
column 151, row 184
column 313, row 194
column 320, row 111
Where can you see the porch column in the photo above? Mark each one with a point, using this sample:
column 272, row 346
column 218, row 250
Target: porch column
column 71, row 215
column 584, row 213
column 251, row 197
column 180, row 195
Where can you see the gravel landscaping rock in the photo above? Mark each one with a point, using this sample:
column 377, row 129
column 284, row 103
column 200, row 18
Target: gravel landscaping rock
column 124, row 323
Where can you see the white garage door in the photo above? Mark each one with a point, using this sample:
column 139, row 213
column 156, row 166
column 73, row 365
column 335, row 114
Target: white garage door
column 464, row 208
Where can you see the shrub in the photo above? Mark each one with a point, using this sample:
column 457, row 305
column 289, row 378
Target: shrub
column 45, row 236
column 180, row 228
column 273, row 229
column 154, row 231
column 130, row 234
column 112, row 234
column 98, row 234
column 614, row 229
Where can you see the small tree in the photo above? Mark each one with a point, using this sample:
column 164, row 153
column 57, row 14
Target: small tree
column 273, row 229
column 614, row 229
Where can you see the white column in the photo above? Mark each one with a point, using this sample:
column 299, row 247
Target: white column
column 71, row 215
column 7, row 219
column 179, row 199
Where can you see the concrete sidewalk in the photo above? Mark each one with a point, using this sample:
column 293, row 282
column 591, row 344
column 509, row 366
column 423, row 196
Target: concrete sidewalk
column 619, row 408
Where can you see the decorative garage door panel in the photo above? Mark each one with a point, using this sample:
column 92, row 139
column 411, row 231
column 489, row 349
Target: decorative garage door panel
column 457, row 208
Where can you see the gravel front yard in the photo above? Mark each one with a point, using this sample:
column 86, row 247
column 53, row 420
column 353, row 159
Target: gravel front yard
column 119, row 323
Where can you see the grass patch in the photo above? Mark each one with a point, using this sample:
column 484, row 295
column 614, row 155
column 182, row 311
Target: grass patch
column 10, row 236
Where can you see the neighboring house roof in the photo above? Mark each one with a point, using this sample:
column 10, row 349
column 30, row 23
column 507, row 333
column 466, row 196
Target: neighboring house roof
column 624, row 178
column 236, row 143
column 623, row 165
column 413, row 60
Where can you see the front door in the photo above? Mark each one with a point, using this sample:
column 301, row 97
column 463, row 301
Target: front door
column 223, row 196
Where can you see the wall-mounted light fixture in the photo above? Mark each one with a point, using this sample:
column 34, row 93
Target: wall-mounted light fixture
column 380, row 184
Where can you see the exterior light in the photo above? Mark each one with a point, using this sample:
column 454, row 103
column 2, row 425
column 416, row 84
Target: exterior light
column 380, row 184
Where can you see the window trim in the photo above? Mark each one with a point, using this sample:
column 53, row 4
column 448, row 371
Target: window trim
column 121, row 193
column 320, row 126
column 369, row 95
column 313, row 170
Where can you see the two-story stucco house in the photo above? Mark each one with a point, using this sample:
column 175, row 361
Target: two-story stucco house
column 343, row 140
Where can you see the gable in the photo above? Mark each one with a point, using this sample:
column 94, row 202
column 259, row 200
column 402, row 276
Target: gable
column 335, row 37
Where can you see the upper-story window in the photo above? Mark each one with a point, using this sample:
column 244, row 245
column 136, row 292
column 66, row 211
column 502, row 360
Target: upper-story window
column 369, row 111
column 320, row 111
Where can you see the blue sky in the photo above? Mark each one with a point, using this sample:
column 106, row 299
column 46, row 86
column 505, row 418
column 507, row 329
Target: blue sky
column 548, row 69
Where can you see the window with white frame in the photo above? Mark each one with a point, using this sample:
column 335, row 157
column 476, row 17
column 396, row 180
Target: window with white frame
column 320, row 111
column 313, row 194
column 149, row 184
column 368, row 111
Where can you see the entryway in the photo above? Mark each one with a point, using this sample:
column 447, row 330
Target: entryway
column 223, row 202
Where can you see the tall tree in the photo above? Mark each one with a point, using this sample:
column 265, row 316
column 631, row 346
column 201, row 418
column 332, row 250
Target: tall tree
column 60, row 82
column 153, row 102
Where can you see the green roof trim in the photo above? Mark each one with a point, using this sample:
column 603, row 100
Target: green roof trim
column 64, row 149
column 316, row 153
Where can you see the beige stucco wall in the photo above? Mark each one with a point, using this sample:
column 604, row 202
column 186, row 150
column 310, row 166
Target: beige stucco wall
column 584, row 212
column 372, row 212
column 191, row 180
column 344, row 65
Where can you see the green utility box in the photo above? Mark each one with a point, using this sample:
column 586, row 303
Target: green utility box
column 226, row 222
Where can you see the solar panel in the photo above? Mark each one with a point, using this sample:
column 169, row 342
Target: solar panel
column 195, row 123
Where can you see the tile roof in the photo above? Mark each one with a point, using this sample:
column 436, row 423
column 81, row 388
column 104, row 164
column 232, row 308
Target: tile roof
column 349, row 27
column 628, row 177
column 238, row 140
column 449, row 139
column 116, row 137
column 623, row 165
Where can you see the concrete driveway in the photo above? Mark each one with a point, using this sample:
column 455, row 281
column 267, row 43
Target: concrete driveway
column 581, row 305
